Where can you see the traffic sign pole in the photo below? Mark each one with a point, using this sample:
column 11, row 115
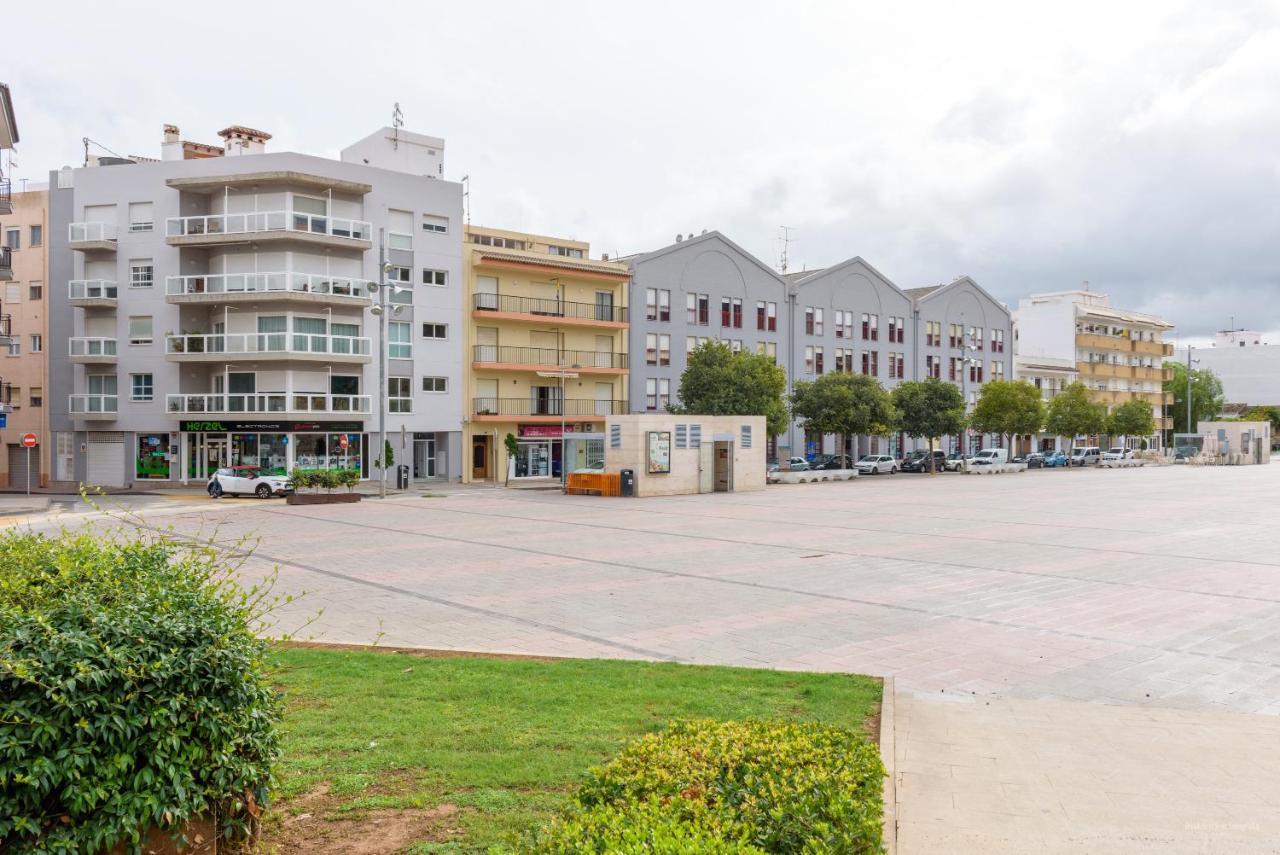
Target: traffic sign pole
column 29, row 441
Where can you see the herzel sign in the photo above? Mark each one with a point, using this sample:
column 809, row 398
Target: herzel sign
column 281, row 427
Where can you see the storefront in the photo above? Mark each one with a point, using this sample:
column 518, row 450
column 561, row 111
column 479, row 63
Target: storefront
column 153, row 453
column 540, row 449
column 277, row 447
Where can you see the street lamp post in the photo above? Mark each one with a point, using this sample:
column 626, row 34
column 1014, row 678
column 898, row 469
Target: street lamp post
column 564, row 446
column 1190, row 362
column 383, row 289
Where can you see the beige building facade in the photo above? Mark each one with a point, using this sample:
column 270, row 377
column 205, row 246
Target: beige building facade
column 23, row 363
column 675, row 455
column 545, row 355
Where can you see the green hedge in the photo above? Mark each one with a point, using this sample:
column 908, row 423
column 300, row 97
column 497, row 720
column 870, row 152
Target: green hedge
column 728, row 787
column 326, row 479
column 132, row 693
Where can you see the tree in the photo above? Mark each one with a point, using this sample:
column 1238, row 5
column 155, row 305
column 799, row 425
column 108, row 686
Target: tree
column 1132, row 418
column 720, row 382
column 843, row 404
column 1008, row 407
column 1206, row 395
column 929, row 409
column 1264, row 414
column 1071, row 414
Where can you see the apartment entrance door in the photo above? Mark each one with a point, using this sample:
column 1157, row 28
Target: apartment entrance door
column 479, row 458
column 724, row 466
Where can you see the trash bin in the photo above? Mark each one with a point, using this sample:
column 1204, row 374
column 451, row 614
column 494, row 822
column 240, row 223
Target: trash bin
column 402, row 477
column 628, row 477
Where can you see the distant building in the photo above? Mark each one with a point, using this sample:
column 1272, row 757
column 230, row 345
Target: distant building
column 1119, row 355
column 1248, row 367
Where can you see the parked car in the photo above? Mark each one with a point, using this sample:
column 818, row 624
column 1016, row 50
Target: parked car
column 953, row 462
column 1118, row 453
column 1054, row 459
column 877, row 464
column 832, row 461
column 988, row 456
column 1034, row 460
column 247, row 481
column 918, row 460
column 798, row 464
column 1084, row 455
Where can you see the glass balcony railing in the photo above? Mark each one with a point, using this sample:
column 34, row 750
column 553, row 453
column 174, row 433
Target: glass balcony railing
column 80, row 232
column 266, row 283
column 268, row 221
column 92, row 289
column 268, row 402
column 284, row 343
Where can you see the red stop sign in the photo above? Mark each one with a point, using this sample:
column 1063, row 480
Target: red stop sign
column 29, row 440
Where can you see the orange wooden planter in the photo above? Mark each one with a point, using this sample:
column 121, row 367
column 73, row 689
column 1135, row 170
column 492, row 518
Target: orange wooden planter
column 597, row 483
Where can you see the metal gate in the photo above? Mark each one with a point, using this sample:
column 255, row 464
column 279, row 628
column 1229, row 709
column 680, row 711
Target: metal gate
column 105, row 459
column 18, row 472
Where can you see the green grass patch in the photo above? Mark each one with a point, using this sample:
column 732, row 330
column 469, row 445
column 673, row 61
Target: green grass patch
column 506, row 741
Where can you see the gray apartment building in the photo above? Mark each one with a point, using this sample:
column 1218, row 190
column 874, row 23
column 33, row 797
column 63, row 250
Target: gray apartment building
column 848, row 317
column 212, row 307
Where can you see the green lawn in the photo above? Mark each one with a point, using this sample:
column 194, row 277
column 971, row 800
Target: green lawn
column 503, row 740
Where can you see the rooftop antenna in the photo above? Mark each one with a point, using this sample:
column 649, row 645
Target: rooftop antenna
column 87, row 143
column 786, row 245
column 466, row 198
column 397, row 122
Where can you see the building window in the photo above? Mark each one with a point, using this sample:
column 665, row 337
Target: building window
column 956, row 335
column 726, row 312
column 771, row 350
column 690, row 344
column 399, row 341
column 897, row 365
column 435, row 331
column 15, row 348
column 435, row 384
column 657, row 304
column 399, row 229
column 399, row 396
column 975, row 372
column 817, row 360
column 664, row 349
column 933, row 333
column 499, row 242
column 997, row 370
column 13, row 238
column 37, row 236
column 870, row 327
column 844, row 324
column 897, row 329
column 140, row 329
column 142, row 387
column 657, row 394
column 37, row 343
column 975, row 337
column 817, row 322
column 435, row 224
column 399, row 274
column 844, row 360
column 808, row 320
column 12, row 292
column 35, row 291
column 808, row 359
column 737, row 313
column 651, row 349
column 434, row 278
column 565, row 251
column 142, row 273
column 35, row 395
column 871, row 363
column 933, row 366
column 141, row 218
column 997, row 341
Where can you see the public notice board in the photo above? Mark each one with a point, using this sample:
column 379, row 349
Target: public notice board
column 659, row 452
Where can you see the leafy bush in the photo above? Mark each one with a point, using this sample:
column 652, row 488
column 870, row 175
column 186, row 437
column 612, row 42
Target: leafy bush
column 132, row 693
column 729, row 787
column 301, row 479
column 327, row 479
column 349, row 478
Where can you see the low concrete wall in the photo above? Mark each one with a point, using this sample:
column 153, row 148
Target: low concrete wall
column 812, row 476
column 994, row 468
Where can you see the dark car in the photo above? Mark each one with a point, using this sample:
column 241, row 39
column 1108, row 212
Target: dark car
column 1034, row 460
column 918, row 461
column 832, row 461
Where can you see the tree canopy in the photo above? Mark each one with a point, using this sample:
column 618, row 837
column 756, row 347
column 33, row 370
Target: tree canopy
column 1008, row 407
column 929, row 408
column 844, row 404
column 1132, row 418
column 1071, row 413
column 720, row 382
column 1206, row 395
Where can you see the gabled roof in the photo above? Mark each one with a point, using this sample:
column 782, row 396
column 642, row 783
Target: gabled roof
column 797, row 275
column 709, row 236
column 856, row 260
column 917, row 293
column 937, row 290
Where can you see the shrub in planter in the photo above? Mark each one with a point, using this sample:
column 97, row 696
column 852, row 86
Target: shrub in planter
column 772, row 786
column 133, row 693
column 349, row 478
column 301, row 479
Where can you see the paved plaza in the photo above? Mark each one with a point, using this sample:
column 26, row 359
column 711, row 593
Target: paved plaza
column 1083, row 661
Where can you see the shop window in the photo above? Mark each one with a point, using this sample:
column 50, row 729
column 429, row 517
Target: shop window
column 152, row 462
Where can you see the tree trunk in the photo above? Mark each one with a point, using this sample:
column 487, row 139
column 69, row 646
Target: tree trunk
column 932, row 470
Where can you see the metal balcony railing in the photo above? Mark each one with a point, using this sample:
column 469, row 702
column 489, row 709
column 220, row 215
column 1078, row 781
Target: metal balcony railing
column 549, row 307
column 6, row 192
column 570, row 359
column 6, row 394
column 266, row 283
column 268, row 402
column 92, row 289
column 527, row 407
column 6, row 259
column 90, row 231
column 268, row 221
column 275, row 342
column 6, row 326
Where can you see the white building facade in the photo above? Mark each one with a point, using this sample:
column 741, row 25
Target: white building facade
column 1248, row 367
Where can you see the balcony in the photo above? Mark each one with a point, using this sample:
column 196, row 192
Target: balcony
column 1103, row 369
column 497, row 358
column 6, row 397
column 6, row 264
column 92, row 351
column 1153, row 348
column 218, row 347
column 283, row 286
column 91, row 237
column 6, row 196
column 268, row 226
column 574, row 409
column 6, row 328
column 544, row 310
column 105, row 407
column 275, row 403
column 92, row 293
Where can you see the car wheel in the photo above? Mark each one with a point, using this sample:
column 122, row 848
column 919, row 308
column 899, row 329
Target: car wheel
column 263, row 491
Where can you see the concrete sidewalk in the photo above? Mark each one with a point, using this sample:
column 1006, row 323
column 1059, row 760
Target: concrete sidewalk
column 15, row 505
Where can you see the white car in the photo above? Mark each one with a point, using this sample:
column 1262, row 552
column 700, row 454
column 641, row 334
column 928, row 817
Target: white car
column 1083, row 455
column 247, row 481
column 798, row 464
column 987, row 456
column 876, row 464
column 1118, row 453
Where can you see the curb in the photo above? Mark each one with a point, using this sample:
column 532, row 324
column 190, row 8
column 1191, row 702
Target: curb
column 887, row 752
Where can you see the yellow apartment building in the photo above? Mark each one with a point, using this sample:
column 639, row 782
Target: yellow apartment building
column 546, row 354
column 24, row 333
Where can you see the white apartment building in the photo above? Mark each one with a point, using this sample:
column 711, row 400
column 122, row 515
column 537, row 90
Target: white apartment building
column 212, row 308
column 1248, row 367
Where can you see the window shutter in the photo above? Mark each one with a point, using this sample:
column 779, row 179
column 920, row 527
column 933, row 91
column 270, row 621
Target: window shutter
column 682, row 436
column 746, row 436
column 695, row 436
column 615, row 436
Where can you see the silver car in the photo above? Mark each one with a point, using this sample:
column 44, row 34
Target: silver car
column 877, row 464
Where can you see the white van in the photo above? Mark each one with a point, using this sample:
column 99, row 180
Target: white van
column 1084, row 455
column 987, row 456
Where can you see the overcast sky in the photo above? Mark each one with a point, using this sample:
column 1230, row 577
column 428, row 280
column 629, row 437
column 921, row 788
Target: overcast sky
column 1032, row 146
